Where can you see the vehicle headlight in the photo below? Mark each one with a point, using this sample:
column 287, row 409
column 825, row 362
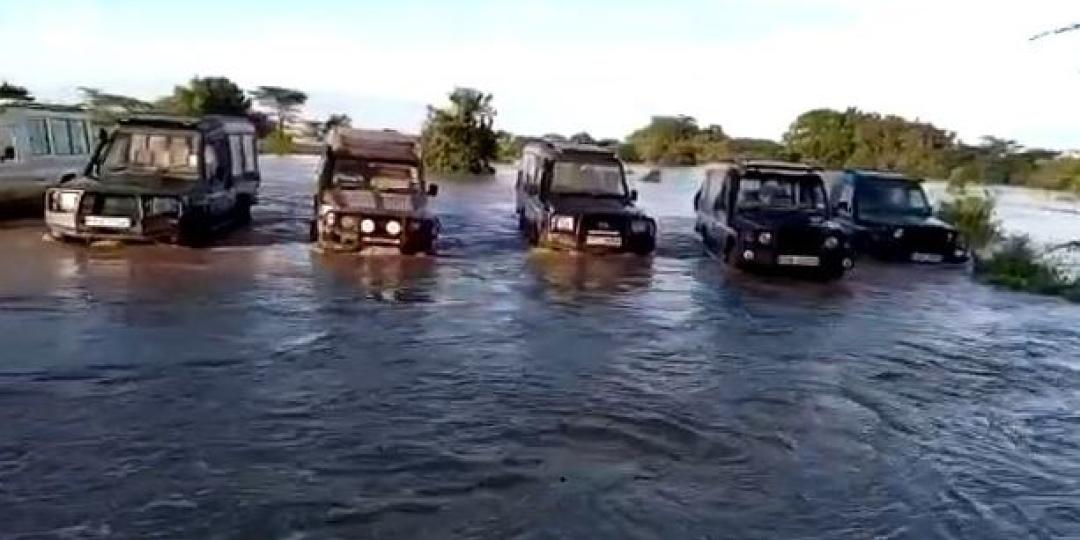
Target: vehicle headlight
column 348, row 222
column 960, row 242
column 65, row 201
column 898, row 234
column 367, row 226
column 393, row 228
column 832, row 242
column 640, row 226
column 562, row 223
column 950, row 237
column 765, row 238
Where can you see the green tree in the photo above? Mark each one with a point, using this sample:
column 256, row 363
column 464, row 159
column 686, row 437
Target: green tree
column 207, row 95
column 14, row 92
column 510, row 146
column 673, row 140
column 460, row 138
column 824, row 136
column 105, row 108
column 285, row 102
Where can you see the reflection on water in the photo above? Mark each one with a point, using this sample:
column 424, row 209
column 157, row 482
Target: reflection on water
column 261, row 389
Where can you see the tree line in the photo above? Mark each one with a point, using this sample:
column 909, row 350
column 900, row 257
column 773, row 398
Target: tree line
column 460, row 137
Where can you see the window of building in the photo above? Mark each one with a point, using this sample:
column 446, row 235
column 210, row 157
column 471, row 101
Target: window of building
column 38, row 136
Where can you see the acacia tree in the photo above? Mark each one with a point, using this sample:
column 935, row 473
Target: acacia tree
column 209, row 95
column 285, row 102
column 460, row 138
column 105, row 108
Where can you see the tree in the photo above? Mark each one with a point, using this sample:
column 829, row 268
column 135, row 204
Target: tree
column 824, row 136
column 337, row 120
column 209, row 95
column 510, row 146
column 105, row 108
column 459, row 138
column 14, row 92
column 285, row 102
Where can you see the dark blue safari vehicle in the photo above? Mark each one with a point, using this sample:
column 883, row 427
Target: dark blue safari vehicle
column 575, row 197
column 771, row 216
column 890, row 217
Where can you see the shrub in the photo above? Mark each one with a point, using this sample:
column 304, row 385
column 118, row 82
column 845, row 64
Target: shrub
column 280, row 143
column 1015, row 264
column 973, row 216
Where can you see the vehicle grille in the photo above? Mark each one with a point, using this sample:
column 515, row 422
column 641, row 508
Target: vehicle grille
column 799, row 240
column 932, row 239
column 604, row 222
column 110, row 205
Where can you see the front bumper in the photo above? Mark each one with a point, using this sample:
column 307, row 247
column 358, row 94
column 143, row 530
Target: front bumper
column 342, row 232
column 86, row 222
column 767, row 258
column 612, row 242
column 891, row 249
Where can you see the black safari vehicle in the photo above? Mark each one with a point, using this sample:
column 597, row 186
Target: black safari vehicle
column 890, row 217
column 372, row 193
column 575, row 197
column 160, row 178
column 766, row 215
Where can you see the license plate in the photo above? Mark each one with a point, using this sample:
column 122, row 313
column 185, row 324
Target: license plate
column 797, row 260
column 927, row 257
column 610, row 241
column 107, row 222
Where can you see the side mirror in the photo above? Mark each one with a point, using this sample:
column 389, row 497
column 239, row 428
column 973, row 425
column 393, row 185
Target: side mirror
column 68, row 176
column 9, row 154
column 633, row 194
column 433, row 190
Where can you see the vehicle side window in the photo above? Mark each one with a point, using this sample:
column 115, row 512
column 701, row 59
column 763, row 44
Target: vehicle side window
column 80, row 143
column 846, row 197
column 526, row 170
column 60, row 136
column 38, row 137
column 250, row 165
column 236, row 156
column 210, row 160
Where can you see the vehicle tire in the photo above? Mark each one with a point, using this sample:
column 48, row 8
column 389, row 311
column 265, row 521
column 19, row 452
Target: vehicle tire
column 193, row 231
column 534, row 236
column 523, row 224
column 313, row 231
column 415, row 248
column 242, row 211
column 644, row 248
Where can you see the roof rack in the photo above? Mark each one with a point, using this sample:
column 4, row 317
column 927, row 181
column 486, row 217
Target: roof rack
column 768, row 164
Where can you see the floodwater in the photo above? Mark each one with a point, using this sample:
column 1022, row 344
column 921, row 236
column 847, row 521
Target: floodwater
column 259, row 390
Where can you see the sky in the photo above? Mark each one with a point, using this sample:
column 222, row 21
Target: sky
column 563, row 66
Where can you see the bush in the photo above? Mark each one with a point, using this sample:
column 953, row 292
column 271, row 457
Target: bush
column 280, row 143
column 1015, row 264
column 973, row 216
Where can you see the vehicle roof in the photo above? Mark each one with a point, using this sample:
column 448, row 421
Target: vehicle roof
column 201, row 123
column 39, row 106
column 375, row 145
column 766, row 166
column 879, row 174
column 568, row 150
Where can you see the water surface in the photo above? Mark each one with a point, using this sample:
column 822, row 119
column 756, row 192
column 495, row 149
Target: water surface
column 260, row 390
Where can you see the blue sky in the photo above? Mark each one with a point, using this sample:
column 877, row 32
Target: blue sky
column 564, row 66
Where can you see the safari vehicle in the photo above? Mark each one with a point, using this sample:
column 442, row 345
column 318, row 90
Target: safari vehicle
column 371, row 193
column 771, row 216
column 889, row 216
column 575, row 197
column 160, row 178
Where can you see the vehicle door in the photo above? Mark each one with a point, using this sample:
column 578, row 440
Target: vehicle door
column 219, row 191
column 719, row 210
column 245, row 166
column 532, row 203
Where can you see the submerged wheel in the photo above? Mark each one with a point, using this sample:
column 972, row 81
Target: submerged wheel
column 242, row 211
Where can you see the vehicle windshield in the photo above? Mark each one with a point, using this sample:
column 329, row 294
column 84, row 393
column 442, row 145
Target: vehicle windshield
column 384, row 177
column 892, row 198
column 173, row 154
column 589, row 179
column 781, row 193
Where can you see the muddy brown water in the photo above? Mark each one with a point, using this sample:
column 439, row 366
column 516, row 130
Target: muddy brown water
column 259, row 390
